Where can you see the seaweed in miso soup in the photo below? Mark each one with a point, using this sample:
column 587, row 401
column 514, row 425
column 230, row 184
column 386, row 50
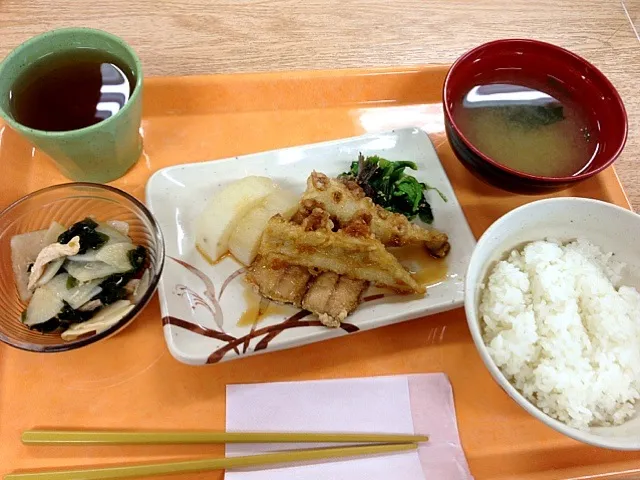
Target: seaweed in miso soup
column 527, row 129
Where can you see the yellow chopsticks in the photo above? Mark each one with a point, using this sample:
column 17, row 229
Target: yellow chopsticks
column 381, row 444
column 69, row 437
column 145, row 470
column 129, row 471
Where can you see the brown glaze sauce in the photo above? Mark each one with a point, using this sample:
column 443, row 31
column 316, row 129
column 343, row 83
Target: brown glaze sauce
column 258, row 308
column 425, row 269
column 208, row 258
column 252, row 312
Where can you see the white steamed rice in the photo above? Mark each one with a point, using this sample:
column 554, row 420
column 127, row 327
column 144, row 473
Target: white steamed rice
column 563, row 331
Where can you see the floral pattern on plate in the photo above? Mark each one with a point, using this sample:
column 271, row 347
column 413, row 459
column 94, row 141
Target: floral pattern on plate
column 239, row 345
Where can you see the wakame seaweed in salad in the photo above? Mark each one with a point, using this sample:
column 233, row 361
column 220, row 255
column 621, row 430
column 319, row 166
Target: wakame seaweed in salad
column 78, row 280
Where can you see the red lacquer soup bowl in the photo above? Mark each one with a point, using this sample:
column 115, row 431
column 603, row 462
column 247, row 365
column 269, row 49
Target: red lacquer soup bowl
column 533, row 62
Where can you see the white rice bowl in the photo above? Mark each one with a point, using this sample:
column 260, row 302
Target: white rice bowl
column 567, row 219
column 564, row 332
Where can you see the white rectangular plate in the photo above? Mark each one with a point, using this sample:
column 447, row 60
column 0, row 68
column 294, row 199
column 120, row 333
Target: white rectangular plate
column 201, row 304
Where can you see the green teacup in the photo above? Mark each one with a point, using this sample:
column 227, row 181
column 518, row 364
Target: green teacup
column 101, row 152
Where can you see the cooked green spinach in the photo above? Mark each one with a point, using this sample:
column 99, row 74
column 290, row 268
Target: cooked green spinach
column 385, row 182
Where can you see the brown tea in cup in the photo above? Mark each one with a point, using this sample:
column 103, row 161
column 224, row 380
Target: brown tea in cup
column 70, row 90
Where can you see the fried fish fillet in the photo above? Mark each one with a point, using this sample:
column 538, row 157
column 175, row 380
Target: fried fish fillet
column 361, row 258
column 346, row 200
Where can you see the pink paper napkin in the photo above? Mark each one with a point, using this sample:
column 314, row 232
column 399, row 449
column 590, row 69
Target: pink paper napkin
column 395, row 404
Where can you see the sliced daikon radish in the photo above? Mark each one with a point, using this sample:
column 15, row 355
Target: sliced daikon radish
column 119, row 225
column 87, row 271
column 116, row 255
column 245, row 239
column 78, row 295
column 141, row 287
column 114, row 235
column 52, row 234
column 218, row 219
column 101, row 321
column 115, row 238
column 46, row 302
column 24, row 251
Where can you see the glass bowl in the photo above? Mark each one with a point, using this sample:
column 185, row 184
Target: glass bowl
column 67, row 204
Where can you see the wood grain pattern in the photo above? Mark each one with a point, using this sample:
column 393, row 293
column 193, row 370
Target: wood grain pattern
column 183, row 37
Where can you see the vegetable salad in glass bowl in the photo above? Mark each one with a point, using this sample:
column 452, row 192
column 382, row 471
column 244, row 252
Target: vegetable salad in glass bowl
column 79, row 262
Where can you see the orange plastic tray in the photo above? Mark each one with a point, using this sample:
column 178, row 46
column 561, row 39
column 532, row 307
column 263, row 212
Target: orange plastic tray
column 131, row 380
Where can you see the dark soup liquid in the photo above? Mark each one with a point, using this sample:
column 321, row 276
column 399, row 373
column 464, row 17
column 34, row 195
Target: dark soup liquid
column 529, row 128
column 70, row 90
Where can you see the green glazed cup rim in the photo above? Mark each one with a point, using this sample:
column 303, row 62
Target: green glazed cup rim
column 15, row 54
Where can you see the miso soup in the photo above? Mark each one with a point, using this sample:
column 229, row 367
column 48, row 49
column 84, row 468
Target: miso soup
column 528, row 129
